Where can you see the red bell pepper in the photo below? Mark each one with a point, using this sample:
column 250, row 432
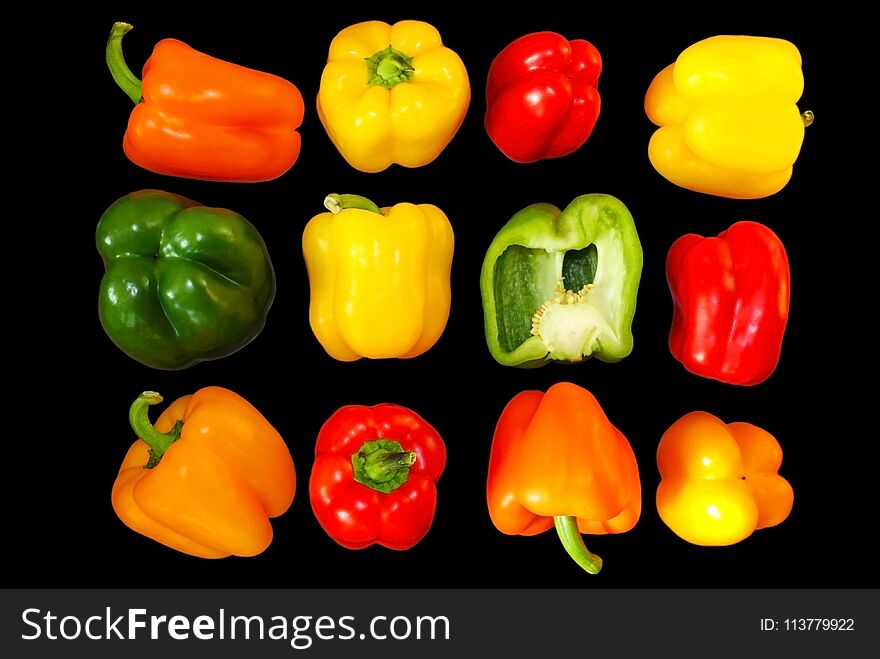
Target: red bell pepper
column 731, row 298
column 375, row 474
column 541, row 96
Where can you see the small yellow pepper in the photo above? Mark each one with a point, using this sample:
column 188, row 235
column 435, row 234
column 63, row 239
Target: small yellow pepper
column 729, row 123
column 719, row 482
column 379, row 278
column 392, row 94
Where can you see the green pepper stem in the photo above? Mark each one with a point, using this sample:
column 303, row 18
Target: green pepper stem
column 127, row 81
column 388, row 67
column 139, row 417
column 382, row 465
column 573, row 541
column 336, row 203
column 808, row 118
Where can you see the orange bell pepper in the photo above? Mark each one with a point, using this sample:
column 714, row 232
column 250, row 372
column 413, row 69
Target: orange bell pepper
column 200, row 117
column 720, row 481
column 207, row 478
column 557, row 460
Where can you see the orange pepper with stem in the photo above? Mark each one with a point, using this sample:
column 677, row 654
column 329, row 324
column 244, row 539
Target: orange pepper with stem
column 207, row 477
column 719, row 481
column 200, row 117
column 556, row 460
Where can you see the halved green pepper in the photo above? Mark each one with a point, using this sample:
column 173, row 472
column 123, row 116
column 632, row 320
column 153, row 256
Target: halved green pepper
column 183, row 283
column 562, row 285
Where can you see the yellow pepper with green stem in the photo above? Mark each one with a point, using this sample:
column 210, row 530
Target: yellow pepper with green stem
column 392, row 94
column 379, row 278
column 729, row 123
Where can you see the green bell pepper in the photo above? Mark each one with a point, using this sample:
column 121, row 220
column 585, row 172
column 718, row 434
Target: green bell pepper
column 562, row 285
column 182, row 283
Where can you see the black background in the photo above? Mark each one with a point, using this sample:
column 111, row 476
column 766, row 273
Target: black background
column 65, row 532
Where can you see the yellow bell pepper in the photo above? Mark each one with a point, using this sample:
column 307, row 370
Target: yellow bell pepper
column 392, row 94
column 379, row 278
column 729, row 123
column 719, row 482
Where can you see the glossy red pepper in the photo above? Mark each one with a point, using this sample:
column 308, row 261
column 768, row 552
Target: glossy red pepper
column 541, row 96
column 375, row 474
column 731, row 297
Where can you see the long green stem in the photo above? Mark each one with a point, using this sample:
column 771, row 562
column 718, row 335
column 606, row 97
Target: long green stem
column 573, row 541
column 139, row 417
column 336, row 203
column 127, row 81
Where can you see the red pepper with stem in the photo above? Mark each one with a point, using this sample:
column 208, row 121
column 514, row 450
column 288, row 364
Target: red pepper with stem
column 375, row 474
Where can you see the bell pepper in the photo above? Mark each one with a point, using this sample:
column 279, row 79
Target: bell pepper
column 556, row 460
column 730, row 297
column 392, row 94
column 199, row 117
column 207, row 477
column 182, row 283
column 729, row 123
column 562, row 285
column 541, row 96
column 719, row 482
column 379, row 278
column 375, row 476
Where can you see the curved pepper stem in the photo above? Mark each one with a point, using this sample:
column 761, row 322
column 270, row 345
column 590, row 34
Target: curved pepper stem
column 808, row 118
column 139, row 417
column 573, row 541
column 127, row 81
column 382, row 465
column 336, row 203
column 388, row 67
